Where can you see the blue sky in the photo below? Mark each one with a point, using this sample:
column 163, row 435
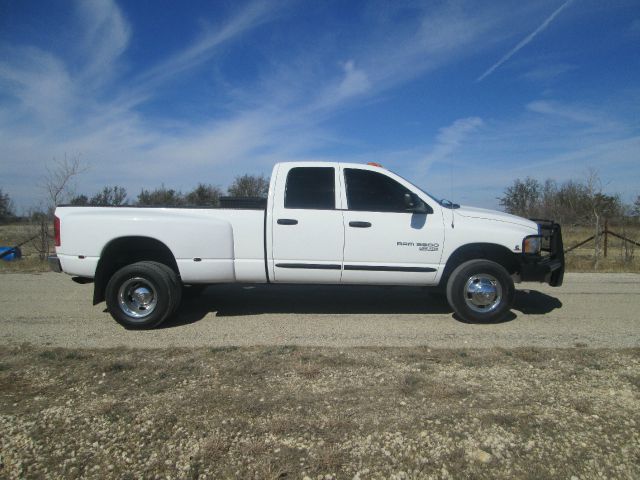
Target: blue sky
column 460, row 97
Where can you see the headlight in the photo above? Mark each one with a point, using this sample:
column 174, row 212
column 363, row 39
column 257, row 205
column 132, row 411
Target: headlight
column 532, row 244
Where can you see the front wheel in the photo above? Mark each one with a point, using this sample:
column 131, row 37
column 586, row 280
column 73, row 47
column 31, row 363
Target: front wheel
column 142, row 295
column 480, row 291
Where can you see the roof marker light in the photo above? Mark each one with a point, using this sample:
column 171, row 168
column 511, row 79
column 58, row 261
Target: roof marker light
column 375, row 164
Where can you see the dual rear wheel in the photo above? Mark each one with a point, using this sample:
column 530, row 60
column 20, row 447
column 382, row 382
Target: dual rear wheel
column 143, row 294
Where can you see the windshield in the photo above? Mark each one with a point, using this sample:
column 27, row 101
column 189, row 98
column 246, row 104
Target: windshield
column 441, row 201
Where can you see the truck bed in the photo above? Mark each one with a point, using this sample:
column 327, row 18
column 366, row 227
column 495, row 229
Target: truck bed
column 210, row 245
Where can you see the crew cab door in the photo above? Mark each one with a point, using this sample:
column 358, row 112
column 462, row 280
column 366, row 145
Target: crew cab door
column 392, row 236
column 308, row 232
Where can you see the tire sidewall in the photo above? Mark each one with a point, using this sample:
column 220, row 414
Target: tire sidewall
column 176, row 285
column 456, row 286
column 163, row 290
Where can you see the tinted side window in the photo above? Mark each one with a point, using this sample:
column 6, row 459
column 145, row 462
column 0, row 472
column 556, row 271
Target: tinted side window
column 374, row 192
column 310, row 187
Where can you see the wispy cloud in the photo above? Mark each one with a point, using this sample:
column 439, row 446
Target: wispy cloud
column 572, row 113
column 449, row 139
column 284, row 120
column 548, row 72
column 289, row 107
column 204, row 47
column 40, row 85
column 524, row 41
column 548, row 139
column 106, row 36
column 51, row 105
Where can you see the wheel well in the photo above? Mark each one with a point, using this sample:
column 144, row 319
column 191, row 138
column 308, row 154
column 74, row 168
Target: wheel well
column 480, row 251
column 125, row 251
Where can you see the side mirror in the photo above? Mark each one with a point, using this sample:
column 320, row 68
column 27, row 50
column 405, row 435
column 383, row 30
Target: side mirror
column 415, row 205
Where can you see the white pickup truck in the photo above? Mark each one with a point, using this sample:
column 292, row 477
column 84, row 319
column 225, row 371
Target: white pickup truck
column 322, row 223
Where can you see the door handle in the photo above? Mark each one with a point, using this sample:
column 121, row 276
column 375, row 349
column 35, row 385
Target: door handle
column 287, row 221
column 359, row 224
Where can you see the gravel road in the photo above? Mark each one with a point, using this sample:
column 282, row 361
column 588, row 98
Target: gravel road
column 594, row 310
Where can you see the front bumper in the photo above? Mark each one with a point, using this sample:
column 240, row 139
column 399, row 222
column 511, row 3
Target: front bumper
column 54, row 263
column 548, row 266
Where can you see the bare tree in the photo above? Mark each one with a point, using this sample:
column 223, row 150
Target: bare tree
column 594, row 188
column 58, row 186
column 523, row 197
column 603, row 207
column 58, row 182
column 7, row 211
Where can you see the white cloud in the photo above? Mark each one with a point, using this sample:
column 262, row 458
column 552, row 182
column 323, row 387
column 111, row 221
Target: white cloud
column 39, row 83
column 106, row 37
column 206, row 45
column 449, row 139
column 548, row 139
column 548, row 72
column 280, row 116
column 110, row 133
column 570, row 112
column 355, row 81
column 524, row 41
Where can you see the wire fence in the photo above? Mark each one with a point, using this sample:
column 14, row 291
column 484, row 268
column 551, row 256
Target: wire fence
column 604, row 232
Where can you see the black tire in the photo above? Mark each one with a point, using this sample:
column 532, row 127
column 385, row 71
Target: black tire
column 480, row 291
column 175, row 281
column 141, row 295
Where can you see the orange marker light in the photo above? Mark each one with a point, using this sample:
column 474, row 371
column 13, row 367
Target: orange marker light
column 375, row 164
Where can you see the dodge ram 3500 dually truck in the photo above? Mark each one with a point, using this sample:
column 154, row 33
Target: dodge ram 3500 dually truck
column 322, row 223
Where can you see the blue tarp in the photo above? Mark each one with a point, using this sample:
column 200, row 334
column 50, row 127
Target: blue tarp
column 10, row 253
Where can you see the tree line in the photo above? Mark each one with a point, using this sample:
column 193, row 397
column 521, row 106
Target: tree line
column 203, row 195
column 569, row 203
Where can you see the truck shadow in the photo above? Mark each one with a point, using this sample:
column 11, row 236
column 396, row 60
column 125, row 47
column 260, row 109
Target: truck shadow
column 239, row 300
column 533, row 302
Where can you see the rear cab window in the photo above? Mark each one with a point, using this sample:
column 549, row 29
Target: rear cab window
column 310, row 188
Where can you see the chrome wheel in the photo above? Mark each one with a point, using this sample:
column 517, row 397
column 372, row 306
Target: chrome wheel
column 482, row 293
column 137, row 298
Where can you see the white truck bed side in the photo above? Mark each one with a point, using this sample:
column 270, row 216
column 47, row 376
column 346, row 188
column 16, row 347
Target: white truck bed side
column 209, row 245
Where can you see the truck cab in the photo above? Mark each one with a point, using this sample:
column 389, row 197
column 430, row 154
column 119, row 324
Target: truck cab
column 334, row 223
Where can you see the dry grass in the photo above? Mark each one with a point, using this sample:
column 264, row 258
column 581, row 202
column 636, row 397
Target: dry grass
column 289, row 412
column 14, row 234
column 620, row 258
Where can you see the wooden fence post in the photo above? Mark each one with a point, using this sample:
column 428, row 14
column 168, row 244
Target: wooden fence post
column 606, row 236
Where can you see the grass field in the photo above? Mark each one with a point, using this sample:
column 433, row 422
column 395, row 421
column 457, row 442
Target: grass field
column 619, row 259
column 290, row 412
column 14, row 234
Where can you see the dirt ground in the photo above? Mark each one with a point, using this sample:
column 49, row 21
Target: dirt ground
column 321, row 413
column 594, row 310
column 321, row 383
